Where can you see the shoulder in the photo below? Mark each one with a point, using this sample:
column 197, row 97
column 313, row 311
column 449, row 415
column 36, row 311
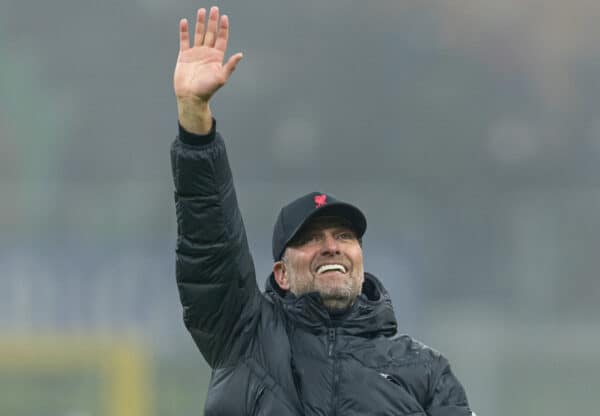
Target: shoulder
column 405, row 347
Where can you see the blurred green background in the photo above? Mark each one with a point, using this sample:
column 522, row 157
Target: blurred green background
column 467, row 131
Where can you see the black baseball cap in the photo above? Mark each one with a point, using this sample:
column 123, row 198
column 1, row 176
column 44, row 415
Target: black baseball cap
column 297, row 213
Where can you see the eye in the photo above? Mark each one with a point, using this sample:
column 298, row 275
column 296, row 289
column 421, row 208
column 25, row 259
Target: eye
column 306, row 239
column 346, row 235
column 312, row 238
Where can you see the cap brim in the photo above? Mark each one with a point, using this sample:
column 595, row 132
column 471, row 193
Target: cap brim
column 344, row 210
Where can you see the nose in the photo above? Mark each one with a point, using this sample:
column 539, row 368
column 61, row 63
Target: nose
column 330, row 246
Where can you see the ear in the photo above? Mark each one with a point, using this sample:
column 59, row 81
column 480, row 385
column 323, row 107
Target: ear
column 280, row 275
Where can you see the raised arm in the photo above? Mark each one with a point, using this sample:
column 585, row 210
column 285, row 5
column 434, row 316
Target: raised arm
column 214, row 269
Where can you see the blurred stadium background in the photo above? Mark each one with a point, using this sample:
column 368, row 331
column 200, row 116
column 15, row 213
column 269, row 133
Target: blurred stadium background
column 468, row 131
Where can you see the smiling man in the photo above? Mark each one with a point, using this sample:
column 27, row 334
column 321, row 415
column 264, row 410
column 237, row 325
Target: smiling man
column 322, row 339
column 317, row 248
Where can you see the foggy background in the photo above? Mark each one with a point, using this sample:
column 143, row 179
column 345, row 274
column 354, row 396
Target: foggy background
column 467, row 131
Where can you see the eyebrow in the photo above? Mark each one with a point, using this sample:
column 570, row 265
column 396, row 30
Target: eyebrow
column 337, row 225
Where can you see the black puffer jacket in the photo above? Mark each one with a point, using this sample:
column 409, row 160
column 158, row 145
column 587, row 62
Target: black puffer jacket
column 276, row 354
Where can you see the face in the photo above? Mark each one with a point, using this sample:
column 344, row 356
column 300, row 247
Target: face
column 326, row 257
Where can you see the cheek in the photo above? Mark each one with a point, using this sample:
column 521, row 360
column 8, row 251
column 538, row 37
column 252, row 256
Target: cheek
column 359, row 267
column 301, row 262
column 357, row 258
column 300, row 282
column 299, row 270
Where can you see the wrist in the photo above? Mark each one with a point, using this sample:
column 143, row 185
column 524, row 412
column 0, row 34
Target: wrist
column 194, row 115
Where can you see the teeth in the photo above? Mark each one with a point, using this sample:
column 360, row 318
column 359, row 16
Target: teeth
column 328, row 267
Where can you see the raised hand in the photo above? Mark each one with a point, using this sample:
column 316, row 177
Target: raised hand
column 200, row 71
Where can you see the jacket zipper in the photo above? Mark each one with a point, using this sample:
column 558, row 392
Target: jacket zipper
column 331, row 339
column 331, row 342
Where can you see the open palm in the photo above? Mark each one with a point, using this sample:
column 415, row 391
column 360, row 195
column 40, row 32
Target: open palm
column 200, row 70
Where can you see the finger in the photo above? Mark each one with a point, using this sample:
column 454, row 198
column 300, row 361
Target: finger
column 211, row 30
column 184, row 36
column 231, row 64
column 223, row 34
column 200, row 25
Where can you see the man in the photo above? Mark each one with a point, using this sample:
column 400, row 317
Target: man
column 322, row 339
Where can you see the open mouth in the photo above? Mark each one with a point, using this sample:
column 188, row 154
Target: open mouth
column 325, row 268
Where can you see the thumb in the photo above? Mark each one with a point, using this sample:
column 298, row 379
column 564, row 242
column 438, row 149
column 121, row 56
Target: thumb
column 232, row 64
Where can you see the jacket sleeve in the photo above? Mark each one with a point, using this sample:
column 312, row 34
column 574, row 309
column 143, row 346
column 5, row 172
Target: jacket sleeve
column 214, row 270
column 448, row 397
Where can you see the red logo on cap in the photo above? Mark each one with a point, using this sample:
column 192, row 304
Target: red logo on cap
column 320, row 200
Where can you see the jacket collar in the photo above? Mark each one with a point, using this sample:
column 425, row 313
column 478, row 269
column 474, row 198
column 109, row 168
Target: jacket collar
column 372, row 314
